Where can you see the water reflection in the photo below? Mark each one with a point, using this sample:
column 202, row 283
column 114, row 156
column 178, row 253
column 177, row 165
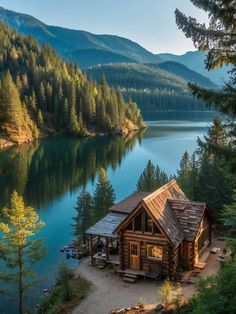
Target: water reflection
column 42, row 171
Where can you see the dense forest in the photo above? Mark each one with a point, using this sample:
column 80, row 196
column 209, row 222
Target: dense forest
column 40, row 94
column 155, row 87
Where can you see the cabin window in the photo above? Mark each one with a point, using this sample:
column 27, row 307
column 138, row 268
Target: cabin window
column 130, row 226
column 155, row 229
column 147, row 223
column 154, row 252
column 138, row 222
column 143, row 223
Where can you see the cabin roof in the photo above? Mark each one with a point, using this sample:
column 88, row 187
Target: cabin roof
column 178, row 217
column 106, row 226
column 129, row 203
column 189, row 215
column 157, row 204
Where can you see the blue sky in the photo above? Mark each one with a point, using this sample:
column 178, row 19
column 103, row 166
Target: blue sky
column 151, row 23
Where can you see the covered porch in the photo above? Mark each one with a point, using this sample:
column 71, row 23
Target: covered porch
column 103, row 242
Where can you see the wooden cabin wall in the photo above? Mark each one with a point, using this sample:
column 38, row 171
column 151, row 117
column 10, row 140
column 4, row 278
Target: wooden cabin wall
column 144, row 239
column 205, row 226
column 187, row 256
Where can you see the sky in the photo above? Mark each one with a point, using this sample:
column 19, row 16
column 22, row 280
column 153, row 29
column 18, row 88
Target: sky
column 150, row 23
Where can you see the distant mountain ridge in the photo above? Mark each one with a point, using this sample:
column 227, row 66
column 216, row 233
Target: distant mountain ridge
column 87, row 49
column 195, row 60
column 68, row 41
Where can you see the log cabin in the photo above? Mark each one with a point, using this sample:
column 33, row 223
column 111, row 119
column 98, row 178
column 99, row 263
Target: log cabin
column 157, row 232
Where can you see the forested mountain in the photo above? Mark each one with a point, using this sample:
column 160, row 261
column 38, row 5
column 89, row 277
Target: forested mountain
column 152, row 87
column 195, row 61
column 68, row 42
column 41, row 94
column 86, row 58
column 184, row 72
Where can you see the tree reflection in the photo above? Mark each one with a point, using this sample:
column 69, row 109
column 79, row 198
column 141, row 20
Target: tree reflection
column 45, row 170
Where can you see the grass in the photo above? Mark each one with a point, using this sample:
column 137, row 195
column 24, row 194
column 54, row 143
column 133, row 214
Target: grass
column 55, row 302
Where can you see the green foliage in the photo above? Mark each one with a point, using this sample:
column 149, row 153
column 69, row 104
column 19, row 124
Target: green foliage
column 229, row 219
column 85, row 215
column 104, row 195
column 18, row 250
column 55, row 302
column 218, row 39
column 206, row 176
column 64, row 276
column 151, row 178
column 215, row 294
column 158, row 86
column 166, row 291
column 40, row 90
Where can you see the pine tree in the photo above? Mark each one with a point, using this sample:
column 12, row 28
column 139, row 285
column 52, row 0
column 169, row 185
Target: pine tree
column 184, row 174
column 73, row 122
column 104, row 195
column 228, row 217
column 218, row 40
column 11, row 112
column 84, row 216
column 19, row 250
column 147, row 180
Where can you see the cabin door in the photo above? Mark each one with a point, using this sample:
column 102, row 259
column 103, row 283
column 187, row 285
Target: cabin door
column 134, row 255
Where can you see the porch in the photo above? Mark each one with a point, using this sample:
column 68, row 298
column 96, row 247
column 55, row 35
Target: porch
column 103, row 242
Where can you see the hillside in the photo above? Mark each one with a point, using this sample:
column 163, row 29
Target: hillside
column 69, row 42
column 194, row 60
column 86, row 58
column 184, row 73
column 40, row 94
column 152, row 87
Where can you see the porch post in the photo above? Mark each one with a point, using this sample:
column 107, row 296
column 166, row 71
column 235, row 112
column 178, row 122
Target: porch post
column 107, row 249
column 91, row 248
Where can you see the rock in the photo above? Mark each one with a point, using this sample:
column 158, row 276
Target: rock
column 158, row 308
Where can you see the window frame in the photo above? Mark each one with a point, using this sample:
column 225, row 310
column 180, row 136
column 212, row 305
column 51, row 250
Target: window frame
column 152, row 257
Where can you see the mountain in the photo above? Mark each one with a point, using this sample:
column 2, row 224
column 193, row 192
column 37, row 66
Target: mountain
column 41, row 94
column 184, row 73
column 152, row 87
column 194, row 60
column 70, row 42
column 86, row 58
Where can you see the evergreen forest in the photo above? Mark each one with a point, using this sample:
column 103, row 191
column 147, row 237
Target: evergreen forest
column 42, row 95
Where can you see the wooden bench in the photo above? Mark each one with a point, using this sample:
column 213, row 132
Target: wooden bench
column 154, row 272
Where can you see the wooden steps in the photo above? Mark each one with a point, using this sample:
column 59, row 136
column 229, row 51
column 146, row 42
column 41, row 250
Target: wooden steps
column 130, row 278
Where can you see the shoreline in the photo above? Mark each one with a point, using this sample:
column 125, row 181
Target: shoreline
column 5, row 143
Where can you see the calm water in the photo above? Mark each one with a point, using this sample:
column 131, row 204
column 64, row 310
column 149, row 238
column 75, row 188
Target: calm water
column 51, row 173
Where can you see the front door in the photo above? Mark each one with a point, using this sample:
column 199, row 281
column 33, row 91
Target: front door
column 134, row 255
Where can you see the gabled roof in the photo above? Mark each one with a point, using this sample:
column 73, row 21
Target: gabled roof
column 157, row 205
column 129, row 203
column 189, row 215
column 176, row 216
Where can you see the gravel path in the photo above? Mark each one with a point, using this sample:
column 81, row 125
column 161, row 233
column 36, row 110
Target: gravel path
column 109, row 292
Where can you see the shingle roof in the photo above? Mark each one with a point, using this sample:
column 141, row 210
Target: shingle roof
column 157, row 204
column 189, row 215
column 178, row 217
column 129, row 203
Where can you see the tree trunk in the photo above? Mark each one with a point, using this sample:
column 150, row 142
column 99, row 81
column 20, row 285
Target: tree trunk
column 20, row 281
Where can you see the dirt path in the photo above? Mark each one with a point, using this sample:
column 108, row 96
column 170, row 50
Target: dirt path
column 109, row 292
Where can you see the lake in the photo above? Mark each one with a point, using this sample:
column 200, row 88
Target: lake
column 50, row 174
